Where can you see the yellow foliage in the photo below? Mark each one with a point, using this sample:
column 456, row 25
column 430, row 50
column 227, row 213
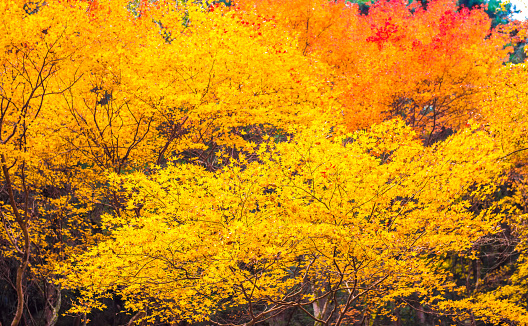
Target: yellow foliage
column 313, row 216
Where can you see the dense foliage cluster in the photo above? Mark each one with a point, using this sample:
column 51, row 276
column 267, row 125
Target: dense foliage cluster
column 302, row 162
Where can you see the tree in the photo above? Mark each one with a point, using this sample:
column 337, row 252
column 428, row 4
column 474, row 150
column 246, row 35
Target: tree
column 327, row 225
column 427, row 66
column 38, row 64
column 90, row 88
column 503, row 114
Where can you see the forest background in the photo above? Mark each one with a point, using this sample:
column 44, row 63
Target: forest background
column 303, row 162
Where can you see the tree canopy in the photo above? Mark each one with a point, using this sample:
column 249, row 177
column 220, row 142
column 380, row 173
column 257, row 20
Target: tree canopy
column 261, row 162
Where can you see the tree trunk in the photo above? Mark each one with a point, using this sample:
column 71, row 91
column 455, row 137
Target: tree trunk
column 281, row 319
column 54, row 301
column 22, row 223
column 420, row 315
column 397, row 321
column 320, row 308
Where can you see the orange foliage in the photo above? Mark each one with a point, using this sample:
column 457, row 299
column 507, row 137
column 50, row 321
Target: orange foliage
column 399, row 60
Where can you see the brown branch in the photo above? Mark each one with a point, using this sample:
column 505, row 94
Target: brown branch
column 25, row 259
column 514, row 152
column 137, row 316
